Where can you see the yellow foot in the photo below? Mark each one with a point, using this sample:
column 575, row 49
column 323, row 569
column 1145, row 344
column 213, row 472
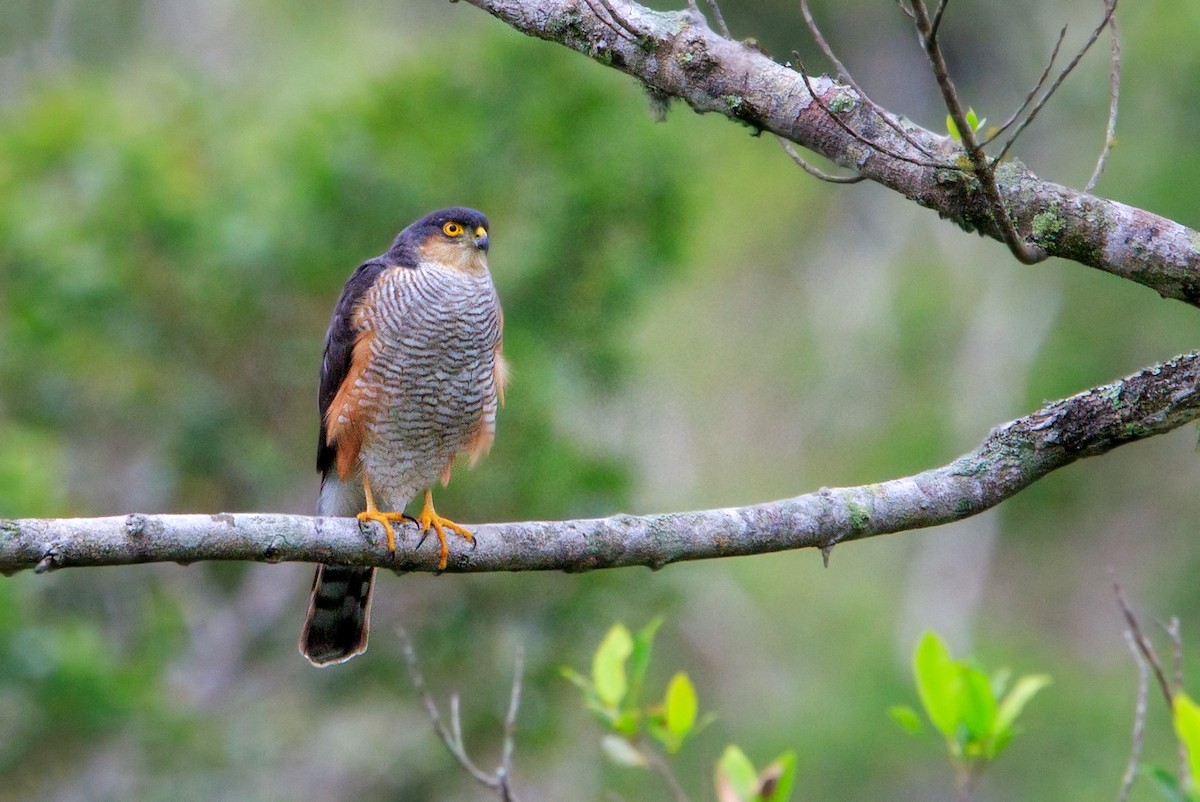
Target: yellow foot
column 430, row 519
column 386, row 519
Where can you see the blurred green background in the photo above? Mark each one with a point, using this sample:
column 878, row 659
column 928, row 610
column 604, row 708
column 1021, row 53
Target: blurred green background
column 692, row 323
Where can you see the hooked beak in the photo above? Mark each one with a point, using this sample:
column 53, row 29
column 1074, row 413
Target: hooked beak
column 481, row 239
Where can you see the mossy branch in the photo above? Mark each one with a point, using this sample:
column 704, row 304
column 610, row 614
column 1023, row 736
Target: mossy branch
column 677, row 55
column 1012, row 457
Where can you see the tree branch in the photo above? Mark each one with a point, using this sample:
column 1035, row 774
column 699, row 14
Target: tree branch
column 677, row 54
column 1013, row 456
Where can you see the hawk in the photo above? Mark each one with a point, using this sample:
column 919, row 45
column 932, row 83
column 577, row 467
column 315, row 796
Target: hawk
column 411, row 376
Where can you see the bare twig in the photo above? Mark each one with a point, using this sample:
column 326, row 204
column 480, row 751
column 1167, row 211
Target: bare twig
column 504, row 770
column 1037, row 87
column 1176, row 638
column 452, row 737
column 722, row 28
column 612, row 21
column 683, row 59
column 1110, row 10
column 1022, row 250
column 791, row 151
column 660, row 767
column 845, row 75
column 1139, row 718
column 1144, row 646
column 937, row 18
column 1114, row 93
column 820, row 101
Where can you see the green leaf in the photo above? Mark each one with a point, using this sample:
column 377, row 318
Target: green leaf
column 735, row 778
column 939, row 683
column 681, row 705
column 608, row 665
column 977, row 704
column 639, row 660
column 776, row 780
column 1165, row 782
column 1012, row 705
column 908, row 719
column 953, row 129
column 624, row 723
column 972, row 120
column 578, row 680
column 1187, row 727
column 622, row 753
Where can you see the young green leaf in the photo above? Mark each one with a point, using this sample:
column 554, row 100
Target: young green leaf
column 1187, row 727
column 977, row 704
column 1016, row 699
column 939, row 683
column 1165, row 782
column 952, row 129
column 735, row 778
column 608, row 665
column 639, row 660
column 908, row 719
column 681, row 706
column 972, row 120
column 575, row 678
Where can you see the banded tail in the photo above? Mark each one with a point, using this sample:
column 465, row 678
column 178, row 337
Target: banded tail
column 339, row 614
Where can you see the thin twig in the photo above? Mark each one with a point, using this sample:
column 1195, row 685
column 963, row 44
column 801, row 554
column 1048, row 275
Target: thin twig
column 722, row 28
column 510, row 719
column 1144, row 645
column 1037, row 87
column 660, row 766
column 452, row 736
column 614, row 22
column 1114, row 92
column 813, row 171
column 1022, row 250
column 1176, row 638
column 1139, row 719
column 937, row 18
column 845, row 75
column 1062, row 76
column 859, row 137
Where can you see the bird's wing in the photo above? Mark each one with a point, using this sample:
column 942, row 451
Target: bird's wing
column 347, row 348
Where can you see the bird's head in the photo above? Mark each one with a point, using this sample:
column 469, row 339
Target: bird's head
column 456, row 238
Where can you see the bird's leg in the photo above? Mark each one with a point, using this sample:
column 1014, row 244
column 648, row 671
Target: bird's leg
column 372, row 513
column 429, row 518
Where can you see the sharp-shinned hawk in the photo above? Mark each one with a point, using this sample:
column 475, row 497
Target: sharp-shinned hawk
column 411, row 376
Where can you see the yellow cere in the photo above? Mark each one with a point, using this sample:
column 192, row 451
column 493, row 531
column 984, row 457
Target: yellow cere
column 481, row 232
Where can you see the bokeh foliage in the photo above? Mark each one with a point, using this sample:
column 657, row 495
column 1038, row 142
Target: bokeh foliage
column 692, row 322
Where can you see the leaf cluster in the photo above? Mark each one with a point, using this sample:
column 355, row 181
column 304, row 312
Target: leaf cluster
column 975, row 714
column 613, row 693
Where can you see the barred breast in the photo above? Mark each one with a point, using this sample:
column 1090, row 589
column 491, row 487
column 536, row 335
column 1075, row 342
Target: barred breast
column 434, row 333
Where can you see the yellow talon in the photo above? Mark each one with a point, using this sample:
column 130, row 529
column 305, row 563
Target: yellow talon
column 430, row 519
column 373, row 514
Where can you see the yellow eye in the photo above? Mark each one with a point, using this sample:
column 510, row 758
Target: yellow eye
column 452, row 230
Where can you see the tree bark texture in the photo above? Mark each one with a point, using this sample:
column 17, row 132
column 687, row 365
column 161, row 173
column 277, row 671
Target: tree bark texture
column 1013, row 456
column 676, row 55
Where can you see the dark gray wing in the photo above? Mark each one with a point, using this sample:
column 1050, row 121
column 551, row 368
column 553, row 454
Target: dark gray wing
column 339, row 346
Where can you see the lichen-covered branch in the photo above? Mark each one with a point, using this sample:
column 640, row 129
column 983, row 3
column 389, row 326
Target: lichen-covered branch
column 1013, row 456
column 678, row 55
